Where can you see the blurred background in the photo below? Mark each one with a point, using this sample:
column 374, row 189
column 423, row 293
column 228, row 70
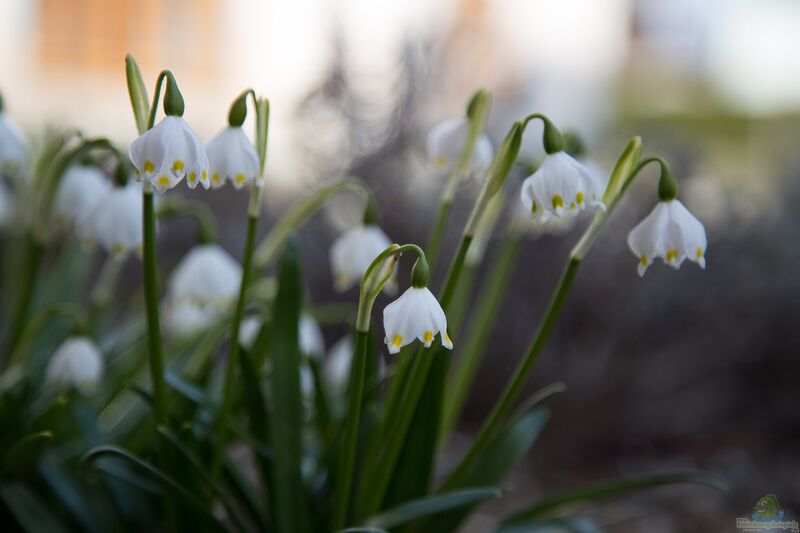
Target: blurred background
column 678, row 369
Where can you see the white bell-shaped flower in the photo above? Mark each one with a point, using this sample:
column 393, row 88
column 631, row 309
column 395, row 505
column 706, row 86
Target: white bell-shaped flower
column 169, row 152
column 80, row 191
column 446, row 142
column 185, row 318
column 312, row 342
column 7, row 210
column 670, row 232
column 116, row 221
column 207, row 276
column 13, row 156
column 561, row 185
column 416, row 314
column 231, row 156
column 76, row 363
column 353, row 252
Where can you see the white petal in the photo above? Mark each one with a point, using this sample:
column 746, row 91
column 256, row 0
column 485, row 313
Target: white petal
column 207, row 276
column 353, row 252
column 116, row 221
column 693, row 239
column 76, row 363
column 312, row 342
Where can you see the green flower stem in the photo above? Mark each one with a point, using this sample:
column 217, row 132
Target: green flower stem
column 149, row 263
column 445, row 206
column 253, row 213
column 347, row 457
column 298, row 214
column 621, row 176
column 29, row 270
column 486, row 309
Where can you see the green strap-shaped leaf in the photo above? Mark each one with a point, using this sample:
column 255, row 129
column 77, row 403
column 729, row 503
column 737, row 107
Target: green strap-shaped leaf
column 288, row 495
column 25, row 452
column 29, row 511
column 610, row 488
column 433, row 505
column 508, row 449
column 562, row 524
column 157, row 475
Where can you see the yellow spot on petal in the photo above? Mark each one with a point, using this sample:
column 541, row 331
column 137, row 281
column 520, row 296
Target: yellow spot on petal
column 239, row 178
column 163, row 181
column 699, row 253
column 428, row 337
column 447, row 338
column 177, row 165
column 397, row 340
column 215, row 177
column 118, row 249
column 672, row 255
column 149, row 167
column 579, row 198
column 203, row 175
column 533, row 207
column 643, row 260
column 558, row 202
column 440, row 161
column 572, row 205
column 192, row 177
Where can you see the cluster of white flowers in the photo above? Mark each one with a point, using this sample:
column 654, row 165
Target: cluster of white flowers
column 171, row 151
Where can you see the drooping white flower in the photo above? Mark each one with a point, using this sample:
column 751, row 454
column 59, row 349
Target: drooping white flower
column 185, row 319
column 561, row 185
column 312, row 342
column 116, row 221
column 353, row 252
column 445, row 145
column 13, row 155
column 670, row 232
column 7, row 209
column 208, row 277
column 231, row 156
column 76, row 363
column 416, row 314
column 80, row 191
column 169, row 152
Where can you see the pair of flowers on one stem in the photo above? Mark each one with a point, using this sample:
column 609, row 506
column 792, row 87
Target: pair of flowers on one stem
column 563, row 187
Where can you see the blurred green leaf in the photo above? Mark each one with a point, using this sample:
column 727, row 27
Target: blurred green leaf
column 433, row 505
column 363, row 530
column 286, row 391
column 196, row 464
column 246, row 494
column 52, row 416
column 614, row 487
column 165, row 481
column 508, row 449
column 25, row 452
column 71, row 496
column 565, row 524
column 138, row 93
column 29, row 511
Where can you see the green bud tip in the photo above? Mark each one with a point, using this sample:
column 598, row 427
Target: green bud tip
column 238, row 111
column 477, row 101
column 667, row 184
column 173, row 99
column 420, row 273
